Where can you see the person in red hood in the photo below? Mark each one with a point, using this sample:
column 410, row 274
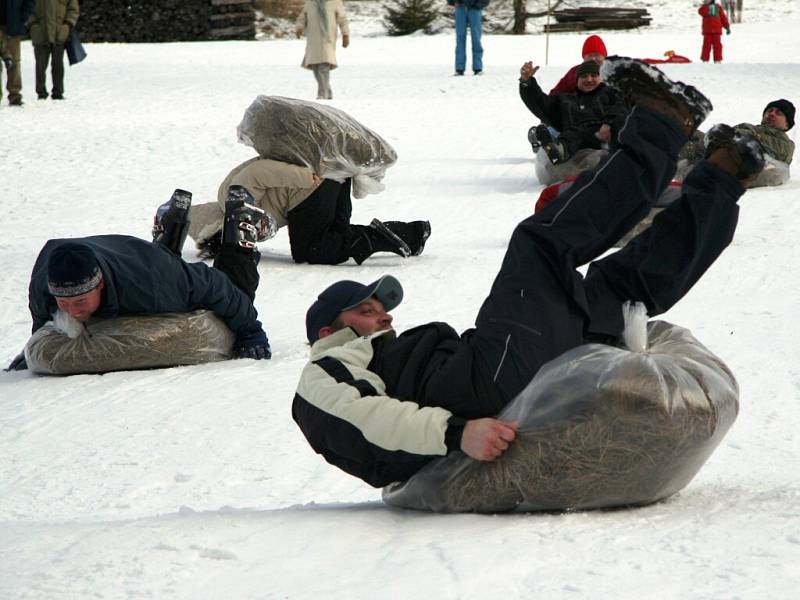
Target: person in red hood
column 593, row 49
column 714, row 21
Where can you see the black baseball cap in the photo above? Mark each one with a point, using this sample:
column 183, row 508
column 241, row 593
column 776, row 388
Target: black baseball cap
column 344, row 295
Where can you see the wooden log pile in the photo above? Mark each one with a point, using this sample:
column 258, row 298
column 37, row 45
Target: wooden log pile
column 166, row 20
column 590, row 18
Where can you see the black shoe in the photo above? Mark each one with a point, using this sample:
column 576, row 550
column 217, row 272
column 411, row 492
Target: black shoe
column 171, row 223
column 210, row 247
column 478, row 72
column 42, row 96
column 718, row 136
column 245, row 223
column 553, row 149
column 15, row 102
column 740, row 155
column 413, row 233
column 376, row 237
column 54, row 97
column 457, row 73
column 647, row 86
column 533, row 139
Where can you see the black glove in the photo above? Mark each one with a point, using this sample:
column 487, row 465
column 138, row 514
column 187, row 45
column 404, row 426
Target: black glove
column 253, row 345
column 18, row 364
column 728, row 31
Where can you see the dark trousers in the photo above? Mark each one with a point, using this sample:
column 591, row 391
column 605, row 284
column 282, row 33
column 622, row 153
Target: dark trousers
column 540, row 306
column 241, row 267
column 43, row 53
column 578, row 137
column 319, row 227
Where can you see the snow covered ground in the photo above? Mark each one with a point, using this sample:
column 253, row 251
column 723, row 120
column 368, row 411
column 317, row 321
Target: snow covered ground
column 194, row 482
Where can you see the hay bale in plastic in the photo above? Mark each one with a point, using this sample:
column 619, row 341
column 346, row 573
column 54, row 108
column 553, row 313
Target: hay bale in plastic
column 128, row 343
column 599, row 427
column 584, row 159
column 327, row 140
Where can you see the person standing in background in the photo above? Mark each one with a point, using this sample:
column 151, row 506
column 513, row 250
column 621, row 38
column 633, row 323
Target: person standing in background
column 13, row 14
column 469, row 14
column 321, row 20
column 49, row 26
column 714, row 21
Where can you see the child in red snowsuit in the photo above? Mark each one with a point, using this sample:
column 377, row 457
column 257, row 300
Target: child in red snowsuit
column 714, row 21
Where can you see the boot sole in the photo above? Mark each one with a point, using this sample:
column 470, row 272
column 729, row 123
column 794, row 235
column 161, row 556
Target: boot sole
column 632, row 76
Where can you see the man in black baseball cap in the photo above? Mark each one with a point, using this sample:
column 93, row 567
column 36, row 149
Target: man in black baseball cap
column 380, row 406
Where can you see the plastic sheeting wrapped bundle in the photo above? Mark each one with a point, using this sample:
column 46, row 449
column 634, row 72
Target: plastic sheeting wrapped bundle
column 327, row 140
column 599, row 427
column 126, row 343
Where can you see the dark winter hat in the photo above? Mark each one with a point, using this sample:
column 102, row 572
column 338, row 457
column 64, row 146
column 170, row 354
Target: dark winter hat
column 589, row 67
column 786, row 107
column 344, row 295
column 594, row 44
column 72, row 270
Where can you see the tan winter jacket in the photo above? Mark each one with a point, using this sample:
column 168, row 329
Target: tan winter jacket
column 320, row 48
column 776, row 143
column 276, row 186
column 51, row 21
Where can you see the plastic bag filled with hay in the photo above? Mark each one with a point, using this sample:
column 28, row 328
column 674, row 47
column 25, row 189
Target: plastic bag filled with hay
column 325, row 139
column 599, row 426
column 65, row 346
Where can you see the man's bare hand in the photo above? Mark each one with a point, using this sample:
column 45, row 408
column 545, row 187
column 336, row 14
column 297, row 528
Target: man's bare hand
column 298, row 32
column 345, row 41
column 486, row 439
column 604, row 133
column 315, row 180
column 527, row 71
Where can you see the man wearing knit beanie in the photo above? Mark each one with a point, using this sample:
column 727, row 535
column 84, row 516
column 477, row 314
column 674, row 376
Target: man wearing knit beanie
column 593, row 49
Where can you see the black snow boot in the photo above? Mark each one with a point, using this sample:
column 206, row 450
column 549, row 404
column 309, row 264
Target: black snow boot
column 740, row 155
column 171, row 223
column 554, row 150
column 245, row 223
column 413, row 233
column 647, row 86
column 377, row 237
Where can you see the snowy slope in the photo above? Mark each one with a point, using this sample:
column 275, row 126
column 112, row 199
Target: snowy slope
column 194, row 482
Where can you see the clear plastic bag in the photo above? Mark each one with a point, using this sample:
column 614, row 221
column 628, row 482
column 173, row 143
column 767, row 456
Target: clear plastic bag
column 775, row 172
column 128, row 343
column 599, row 426
column 320, row 137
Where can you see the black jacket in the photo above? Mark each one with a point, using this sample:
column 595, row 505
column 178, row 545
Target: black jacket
column 603, row 105
column 143, row 278
column 17, row 12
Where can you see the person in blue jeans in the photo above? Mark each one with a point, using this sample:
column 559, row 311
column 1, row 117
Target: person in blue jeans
column 468, row 14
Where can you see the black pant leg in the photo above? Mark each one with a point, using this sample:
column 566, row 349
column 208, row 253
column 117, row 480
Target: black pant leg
column 661, row 265
column 58, row 70
column 319, row 227
column 537, row 308
column 241, row 267
column 41, row 53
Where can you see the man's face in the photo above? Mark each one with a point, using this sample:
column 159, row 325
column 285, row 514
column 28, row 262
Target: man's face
column 84, row 306
column 595, row 56
column 588, row 82
column 774, row 117
column 367, row 318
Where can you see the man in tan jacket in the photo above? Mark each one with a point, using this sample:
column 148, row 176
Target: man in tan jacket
column 320, row 20
column 49, row 27
column 317, row 212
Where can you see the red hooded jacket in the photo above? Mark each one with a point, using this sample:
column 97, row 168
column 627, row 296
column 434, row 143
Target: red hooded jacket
column 713, row 23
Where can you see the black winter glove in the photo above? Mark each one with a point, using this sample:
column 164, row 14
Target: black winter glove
column 728, row 31
column 253, row 345
column 18, row 364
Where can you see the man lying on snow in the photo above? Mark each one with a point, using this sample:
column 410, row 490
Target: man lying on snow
column 776, row 119
column 107, row 276
column 380, row 405
column 589, row 118
column 317, row 212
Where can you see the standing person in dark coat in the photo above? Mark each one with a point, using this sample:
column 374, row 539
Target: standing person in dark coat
column 13, row 15
column 380, row 406
column 714, row 21
column 107, row 276
column 593, row 49
column 586, row 119
column 49, row 28
column 469, row 15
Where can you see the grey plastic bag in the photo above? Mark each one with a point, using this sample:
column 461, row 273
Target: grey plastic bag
column 599, row 427
column 325, row 139
column 127, row 343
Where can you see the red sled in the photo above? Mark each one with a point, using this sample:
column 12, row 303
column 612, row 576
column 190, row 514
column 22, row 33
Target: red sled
column 671, row 57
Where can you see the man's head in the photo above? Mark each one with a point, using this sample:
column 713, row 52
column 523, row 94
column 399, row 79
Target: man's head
column 351, row 304
column 588, row 76
column 779, row 114
column 594, row 49
column 75, row 279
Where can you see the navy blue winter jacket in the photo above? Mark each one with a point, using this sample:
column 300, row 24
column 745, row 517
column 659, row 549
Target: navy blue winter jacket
column 143, row 278
column 17, row 12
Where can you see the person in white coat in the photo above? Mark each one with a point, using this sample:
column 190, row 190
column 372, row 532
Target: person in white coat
column 321, row 20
